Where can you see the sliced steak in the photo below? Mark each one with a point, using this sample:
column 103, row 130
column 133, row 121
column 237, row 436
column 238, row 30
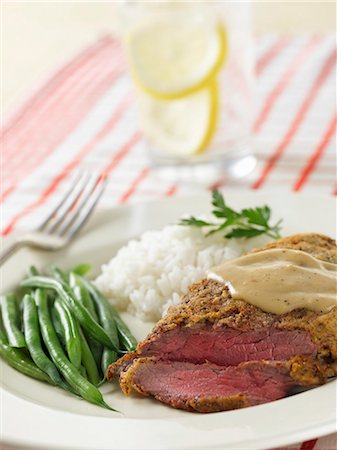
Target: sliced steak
column 228, row 346
column 212, row 352
column 207, row 387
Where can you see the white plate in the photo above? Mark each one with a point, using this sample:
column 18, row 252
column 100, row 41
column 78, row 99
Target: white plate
column 39, row 416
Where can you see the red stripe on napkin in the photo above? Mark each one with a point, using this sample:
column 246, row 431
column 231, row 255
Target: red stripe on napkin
column 270, row 54
column 61, row 75
column 73, row 165
column 299, row 117
column 33, row 156
column 134, row 185
column 135, row 138
column 65, row 95
column 290, row 72
column 171, row 191
column 69, row 95
column 315, row 157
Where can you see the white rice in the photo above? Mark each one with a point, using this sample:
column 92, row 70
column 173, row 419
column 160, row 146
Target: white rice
column 150, row 274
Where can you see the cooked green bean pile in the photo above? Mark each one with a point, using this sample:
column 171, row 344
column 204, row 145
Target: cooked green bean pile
column 63, row 331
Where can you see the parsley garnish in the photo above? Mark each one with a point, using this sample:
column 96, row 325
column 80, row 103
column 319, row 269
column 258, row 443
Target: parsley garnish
column 247, row 223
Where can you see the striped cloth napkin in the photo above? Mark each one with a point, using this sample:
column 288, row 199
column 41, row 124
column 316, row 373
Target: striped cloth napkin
column 84, row 116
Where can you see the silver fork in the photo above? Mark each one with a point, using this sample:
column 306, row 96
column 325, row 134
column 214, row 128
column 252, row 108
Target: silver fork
column 66, row 219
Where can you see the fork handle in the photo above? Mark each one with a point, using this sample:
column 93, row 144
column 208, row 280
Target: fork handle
column 7, row 252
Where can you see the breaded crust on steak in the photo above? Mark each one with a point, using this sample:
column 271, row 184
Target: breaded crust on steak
column 215, row 336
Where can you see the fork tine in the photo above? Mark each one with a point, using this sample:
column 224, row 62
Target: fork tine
column 84, row 214
column 79, row 204
column 61, row 202
column 66, row 203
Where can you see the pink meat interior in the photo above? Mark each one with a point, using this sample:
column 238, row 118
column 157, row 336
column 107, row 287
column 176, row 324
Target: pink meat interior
column 229, row 347
column 260, row 382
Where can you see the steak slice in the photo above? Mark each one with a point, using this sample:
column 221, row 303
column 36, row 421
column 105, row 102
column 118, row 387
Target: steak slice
column 207, row 387
column 229, row 346
column 217, row 340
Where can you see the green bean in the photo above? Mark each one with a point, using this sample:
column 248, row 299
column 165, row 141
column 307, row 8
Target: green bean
column 83, row 296
column 125, row 336
column 59, row 274
column 79, row 311
column 20, row 361
column 83, row 372
column 33, row 340
column 11, row 320
column 108, row 323
column 88, row 361
column 82, row 269
column 108, row 357
column 33, row 271
column 58, row 327
column 95, row 347
column 106, row 318
column 82, row 386
column 127, row 339
column 71, row 333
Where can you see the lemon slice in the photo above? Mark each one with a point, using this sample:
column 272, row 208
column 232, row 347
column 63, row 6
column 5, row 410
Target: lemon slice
column 171, row 59
column 181, row 127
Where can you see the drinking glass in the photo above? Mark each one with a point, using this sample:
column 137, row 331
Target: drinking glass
column 192, row 66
